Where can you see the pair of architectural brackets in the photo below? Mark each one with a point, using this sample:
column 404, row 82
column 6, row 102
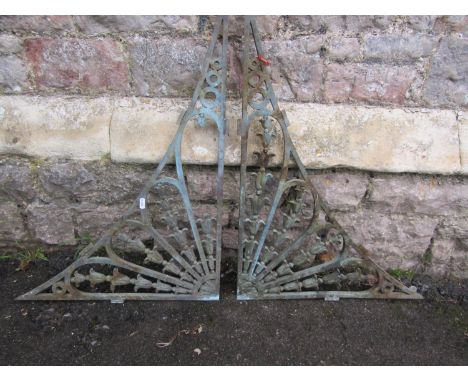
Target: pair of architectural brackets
column 166, row 247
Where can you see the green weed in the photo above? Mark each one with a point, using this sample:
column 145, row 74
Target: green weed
column 401, row 274
column 25, row 257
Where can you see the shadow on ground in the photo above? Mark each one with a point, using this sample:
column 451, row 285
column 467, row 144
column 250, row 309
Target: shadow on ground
column 229, row 332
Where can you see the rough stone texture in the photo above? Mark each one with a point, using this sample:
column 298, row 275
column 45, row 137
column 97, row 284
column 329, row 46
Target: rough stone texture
column 448, row 24
column 267, row 25
column 164, row 55
column 37, row 24
column 299, row 68
column 417, row 221
column 230, row 238
column 165, row 67
column 449, row 253
column 341, row 49
column 369, row 83
column 51, row 223
column 447, row 84
column 397, row 48
column 11, row 224
column 13, row 75
column 315, row 24
column 202, row 184
column 421, row 23
column 356, row 24
column 463, row 135
column 90, row 182
column 446, row 196
column 64, row 180
column 110, row 24
column 390, row 24
column 395, row 241
column 342, row 191
column 65, row 127
column 10, row 44
column 68, row 200
column 94, row 220
column 78, row 65
column 17, row 180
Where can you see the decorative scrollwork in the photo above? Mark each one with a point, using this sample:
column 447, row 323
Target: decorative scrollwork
column 163, row 247
column 290, row 244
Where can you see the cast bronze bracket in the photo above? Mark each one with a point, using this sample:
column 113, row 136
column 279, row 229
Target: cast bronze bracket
column 167, row 248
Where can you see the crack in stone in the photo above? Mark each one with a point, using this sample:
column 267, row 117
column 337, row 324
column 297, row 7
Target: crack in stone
column 459, row 115
column 109, row 132
column 367, row 193
column 425, row 261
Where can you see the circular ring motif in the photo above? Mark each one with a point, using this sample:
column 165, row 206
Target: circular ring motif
column 254, row 65
column 59, row 288
column 258, row 105
column 256, row 79
column 209, row 103
column 210, row 74
column 215, row 64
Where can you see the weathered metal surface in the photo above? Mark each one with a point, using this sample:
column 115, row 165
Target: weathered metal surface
column 164, row 246
column 290, row 245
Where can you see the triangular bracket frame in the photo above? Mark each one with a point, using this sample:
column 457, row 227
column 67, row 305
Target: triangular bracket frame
column 290, row 244
column 138, row 259
column 163, row 247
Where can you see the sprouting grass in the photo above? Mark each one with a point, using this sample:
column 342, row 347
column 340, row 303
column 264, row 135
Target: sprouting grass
column 83, row 241
column 25, row 257
column 401, row 274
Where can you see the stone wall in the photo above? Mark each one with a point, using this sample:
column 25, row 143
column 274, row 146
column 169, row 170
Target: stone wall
column 392, row 60
column 408, row 221
column 377, row 104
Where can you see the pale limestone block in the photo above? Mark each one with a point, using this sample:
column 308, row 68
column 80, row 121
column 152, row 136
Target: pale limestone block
column 379, row 139
column 463, row 134
column 395, row 140
column 143, row 129
column 76, row 128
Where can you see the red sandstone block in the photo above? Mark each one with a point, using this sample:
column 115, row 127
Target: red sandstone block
column 90, row 66
column 368, row 83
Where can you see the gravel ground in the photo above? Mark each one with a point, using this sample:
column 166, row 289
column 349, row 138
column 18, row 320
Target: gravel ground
column 230, row 332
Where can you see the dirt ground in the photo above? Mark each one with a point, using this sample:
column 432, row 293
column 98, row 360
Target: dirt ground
column 230, row 332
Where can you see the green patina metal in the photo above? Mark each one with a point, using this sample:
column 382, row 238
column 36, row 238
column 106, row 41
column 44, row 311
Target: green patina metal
column 290, row 245
column 163, row 247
